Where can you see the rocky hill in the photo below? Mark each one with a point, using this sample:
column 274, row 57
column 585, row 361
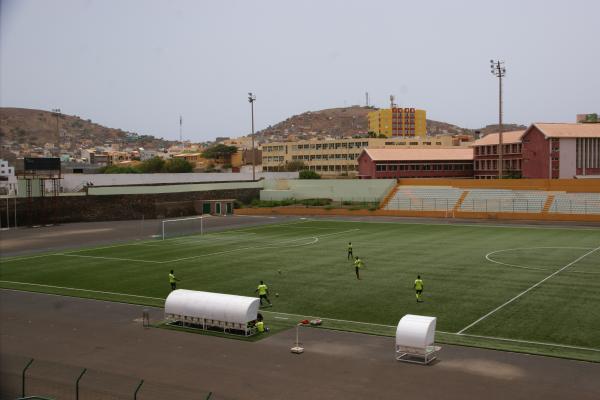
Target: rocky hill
column 22, row 128
column 339, row 122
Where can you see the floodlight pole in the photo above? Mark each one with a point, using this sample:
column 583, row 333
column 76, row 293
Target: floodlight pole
column 56, row 112
column 499, row 71
column 252, row 99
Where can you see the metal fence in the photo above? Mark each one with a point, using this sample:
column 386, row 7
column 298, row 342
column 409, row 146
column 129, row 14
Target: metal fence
column 22, row 377
column 495, row 205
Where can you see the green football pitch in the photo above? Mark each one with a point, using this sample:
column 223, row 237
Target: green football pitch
column 520, row 288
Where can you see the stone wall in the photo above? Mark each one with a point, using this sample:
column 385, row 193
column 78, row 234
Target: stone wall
column 63, row 209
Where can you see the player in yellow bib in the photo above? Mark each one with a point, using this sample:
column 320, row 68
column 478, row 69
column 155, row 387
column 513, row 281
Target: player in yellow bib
column 173, row 280
column 358, row 264
column 419, row 288
column 263, row 291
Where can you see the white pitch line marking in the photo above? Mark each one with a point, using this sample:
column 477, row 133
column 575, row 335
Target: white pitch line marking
column 300, row 316
column 542, row 268
column 315, row 240
column 566, row 346
column 80, row 290
column 528, row 290
column 109, row 258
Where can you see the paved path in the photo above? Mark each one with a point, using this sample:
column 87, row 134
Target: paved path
column 106, row 336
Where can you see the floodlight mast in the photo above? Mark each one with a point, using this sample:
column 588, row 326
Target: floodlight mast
column 251, row 100
column 498, row 70
column 56, row 112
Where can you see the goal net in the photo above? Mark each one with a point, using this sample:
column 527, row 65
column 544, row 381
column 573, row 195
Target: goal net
column 182, row 226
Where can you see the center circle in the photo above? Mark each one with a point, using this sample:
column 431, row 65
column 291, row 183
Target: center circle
column 496, row 257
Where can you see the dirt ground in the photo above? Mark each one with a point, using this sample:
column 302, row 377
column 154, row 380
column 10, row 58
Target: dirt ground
column 71, row 333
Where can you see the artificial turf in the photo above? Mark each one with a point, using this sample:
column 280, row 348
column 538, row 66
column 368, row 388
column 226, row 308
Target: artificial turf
column 305, row 262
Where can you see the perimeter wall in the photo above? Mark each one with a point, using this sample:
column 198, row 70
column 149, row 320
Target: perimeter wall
column 334, row 189
column 109, row 207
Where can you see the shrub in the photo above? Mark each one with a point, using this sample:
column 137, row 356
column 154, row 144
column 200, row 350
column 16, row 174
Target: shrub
column 177, row 165
column 308, row 174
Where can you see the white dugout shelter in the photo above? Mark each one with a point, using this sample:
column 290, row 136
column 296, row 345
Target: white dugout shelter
column 207, row 310
column 415, row 339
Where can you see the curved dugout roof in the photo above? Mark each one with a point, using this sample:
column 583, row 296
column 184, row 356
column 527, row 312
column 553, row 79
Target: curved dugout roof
column 217, row 306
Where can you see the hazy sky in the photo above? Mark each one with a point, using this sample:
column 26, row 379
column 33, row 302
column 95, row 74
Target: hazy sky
column 138, row 65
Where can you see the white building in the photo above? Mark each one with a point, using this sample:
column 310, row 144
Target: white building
column 8, row 180
column 148, row 154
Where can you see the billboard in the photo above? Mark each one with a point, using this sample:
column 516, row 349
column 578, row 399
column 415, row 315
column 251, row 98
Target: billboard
column 41, row 164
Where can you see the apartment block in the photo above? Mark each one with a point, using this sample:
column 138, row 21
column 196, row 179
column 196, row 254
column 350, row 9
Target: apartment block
column 339, row 156
column 398, row 122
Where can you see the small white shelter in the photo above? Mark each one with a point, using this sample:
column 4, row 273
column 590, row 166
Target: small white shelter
column 207, row 310
column 415, row 339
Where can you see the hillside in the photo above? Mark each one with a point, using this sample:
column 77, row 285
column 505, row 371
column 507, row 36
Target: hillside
column 338, row 122
column 25, row 129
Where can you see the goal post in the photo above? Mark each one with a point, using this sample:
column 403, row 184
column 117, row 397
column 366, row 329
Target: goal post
column 182, row 226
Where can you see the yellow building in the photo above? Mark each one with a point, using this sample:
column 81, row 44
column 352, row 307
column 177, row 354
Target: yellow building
column 339, row 156
column 398, row 122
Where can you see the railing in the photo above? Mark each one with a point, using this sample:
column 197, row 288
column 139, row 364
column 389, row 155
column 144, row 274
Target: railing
column 514, row 205
column 564, row 206
column 25, row 378
column 447, row 204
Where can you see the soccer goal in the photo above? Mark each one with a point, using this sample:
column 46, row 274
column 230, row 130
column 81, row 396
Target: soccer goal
column 182, row 226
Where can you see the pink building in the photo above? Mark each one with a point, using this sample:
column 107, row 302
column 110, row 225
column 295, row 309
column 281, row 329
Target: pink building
column 415, row 163
column 485, row 164
column 553, row 151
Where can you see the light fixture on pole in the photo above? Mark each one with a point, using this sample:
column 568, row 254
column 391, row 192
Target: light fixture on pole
column 498, row 70
column 56, row 112
column 252, row 99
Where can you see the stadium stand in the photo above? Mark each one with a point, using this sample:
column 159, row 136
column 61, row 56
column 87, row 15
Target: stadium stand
column 448, row 198
column 575, row 203
column 424, row 198
column 503, row 200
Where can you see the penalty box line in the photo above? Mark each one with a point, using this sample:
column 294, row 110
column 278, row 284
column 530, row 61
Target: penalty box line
column 293, row 315
column 527, row 290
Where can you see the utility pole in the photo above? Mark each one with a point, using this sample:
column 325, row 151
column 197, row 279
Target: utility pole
column 498, row 70
column 56, row 112
column 180, row 128
column 252, row 99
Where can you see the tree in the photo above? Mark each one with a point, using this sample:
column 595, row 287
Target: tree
column 372, row 134
column 381, row 136
column 178, row 165
column 308, row 174
column 295, row 165
column 219, row 150
column 119, row 169
column 152, row 165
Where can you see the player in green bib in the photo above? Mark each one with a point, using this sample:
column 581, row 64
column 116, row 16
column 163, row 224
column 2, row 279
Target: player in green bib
column 419, row 288
column 263, row 291
column 358, row 264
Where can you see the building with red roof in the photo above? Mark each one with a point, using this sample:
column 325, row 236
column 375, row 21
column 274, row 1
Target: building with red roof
column 415, row 163
column 553, row 151
column 485, row 153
